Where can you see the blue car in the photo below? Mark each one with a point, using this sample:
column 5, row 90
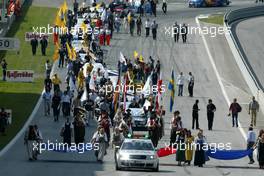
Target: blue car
column 208, row 3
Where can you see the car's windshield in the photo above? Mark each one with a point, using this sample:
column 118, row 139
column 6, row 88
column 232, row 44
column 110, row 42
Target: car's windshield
column 137, row 145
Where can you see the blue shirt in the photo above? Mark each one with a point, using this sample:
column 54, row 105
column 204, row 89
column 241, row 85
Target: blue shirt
column 251, row 136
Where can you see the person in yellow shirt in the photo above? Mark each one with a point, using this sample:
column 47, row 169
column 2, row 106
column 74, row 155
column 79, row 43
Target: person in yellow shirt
column 189, row 147
column 56, row 82
column 80, row 79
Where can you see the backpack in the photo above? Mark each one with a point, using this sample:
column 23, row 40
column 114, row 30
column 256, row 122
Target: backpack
column 239, row 108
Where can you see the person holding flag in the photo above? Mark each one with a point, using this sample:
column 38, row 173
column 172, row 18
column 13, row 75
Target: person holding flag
column 125, row 89
column 159, row 91
column 123, row 62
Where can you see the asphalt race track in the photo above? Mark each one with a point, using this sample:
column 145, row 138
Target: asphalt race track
column 193, row 57
column 250, row 37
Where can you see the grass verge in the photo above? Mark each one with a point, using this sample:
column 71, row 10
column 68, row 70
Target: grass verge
column 22, row 97
column 214, row 19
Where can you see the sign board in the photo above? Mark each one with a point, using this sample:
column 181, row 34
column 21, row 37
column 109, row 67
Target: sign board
column 30, row 35
column 20, row 75
column 9, row 44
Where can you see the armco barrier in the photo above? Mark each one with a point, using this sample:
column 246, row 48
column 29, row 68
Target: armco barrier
column 10, row 19
column 230, row 20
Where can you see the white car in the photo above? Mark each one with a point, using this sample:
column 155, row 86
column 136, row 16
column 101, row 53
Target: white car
column 137, row 153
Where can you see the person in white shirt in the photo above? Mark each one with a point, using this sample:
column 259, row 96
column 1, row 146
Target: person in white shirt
column 147, row 27
column 48, row 68
column 47, row 102
column 66, row 104
column 251, row 139
column 180, row 83
column 100, row 139
column 125, row 24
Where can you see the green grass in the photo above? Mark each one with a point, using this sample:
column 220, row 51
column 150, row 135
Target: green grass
column 22, row 97
column 214, row 19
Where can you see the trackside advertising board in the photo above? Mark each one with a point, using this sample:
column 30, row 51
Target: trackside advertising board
column 20, row 75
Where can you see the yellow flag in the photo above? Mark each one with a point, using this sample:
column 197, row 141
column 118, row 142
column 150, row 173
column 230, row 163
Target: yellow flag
column 56, row 52
column 98, row 6
column 69, row 50
column 73, row 54
column 84, row 27
column 57, row 21
column 60, row 19
column 64, row 7
column 135, row 54
column 141, row 59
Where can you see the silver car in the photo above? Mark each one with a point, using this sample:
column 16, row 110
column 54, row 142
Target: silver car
column 139, row 120
column 137, row 153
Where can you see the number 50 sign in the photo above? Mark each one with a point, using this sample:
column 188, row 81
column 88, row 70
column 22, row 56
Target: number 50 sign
column 9, row 44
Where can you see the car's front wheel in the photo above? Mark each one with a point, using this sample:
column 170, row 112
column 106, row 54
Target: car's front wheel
column 157, row 168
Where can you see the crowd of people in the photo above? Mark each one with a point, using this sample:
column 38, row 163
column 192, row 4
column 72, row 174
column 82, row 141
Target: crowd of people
column 86, row 97
column 188, row 146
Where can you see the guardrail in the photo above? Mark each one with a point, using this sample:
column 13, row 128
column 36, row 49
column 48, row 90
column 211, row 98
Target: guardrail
column 10, row 19
column 230, row 21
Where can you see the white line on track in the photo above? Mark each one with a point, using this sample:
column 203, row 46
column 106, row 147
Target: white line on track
column 218, row 76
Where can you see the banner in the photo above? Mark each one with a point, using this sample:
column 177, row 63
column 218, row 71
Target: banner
column 20, row 75
column 216, row 154
column 166, row 151
column 228, row 154
column 30, row 35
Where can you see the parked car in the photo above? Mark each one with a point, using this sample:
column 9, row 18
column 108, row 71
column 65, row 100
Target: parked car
column 208, row 3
